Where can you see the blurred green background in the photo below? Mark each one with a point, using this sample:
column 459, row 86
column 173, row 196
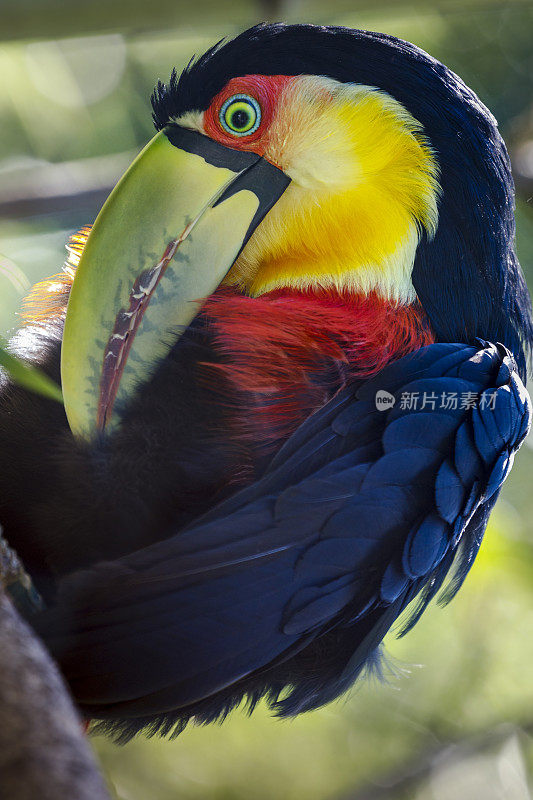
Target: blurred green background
column 455, row 720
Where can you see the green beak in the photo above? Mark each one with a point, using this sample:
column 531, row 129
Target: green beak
column 163, row 241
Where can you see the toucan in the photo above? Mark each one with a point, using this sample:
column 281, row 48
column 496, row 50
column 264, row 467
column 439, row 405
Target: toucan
column 292, row 350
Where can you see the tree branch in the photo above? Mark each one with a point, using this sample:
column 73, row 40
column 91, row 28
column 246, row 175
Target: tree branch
column 43, row 751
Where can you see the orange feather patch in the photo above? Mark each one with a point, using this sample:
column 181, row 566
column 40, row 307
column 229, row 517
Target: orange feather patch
column 48, row 299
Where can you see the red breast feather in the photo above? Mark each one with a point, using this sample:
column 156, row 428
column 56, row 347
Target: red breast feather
column 289, row 352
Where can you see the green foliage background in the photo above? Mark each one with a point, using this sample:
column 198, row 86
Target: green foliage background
column 455, row 718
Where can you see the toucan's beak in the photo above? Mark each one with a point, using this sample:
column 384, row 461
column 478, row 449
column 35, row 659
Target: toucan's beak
column 165, row 238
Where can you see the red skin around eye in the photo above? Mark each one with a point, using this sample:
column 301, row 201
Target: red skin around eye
column 266, row 89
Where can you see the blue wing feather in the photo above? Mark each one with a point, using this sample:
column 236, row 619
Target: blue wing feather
column 361, row 511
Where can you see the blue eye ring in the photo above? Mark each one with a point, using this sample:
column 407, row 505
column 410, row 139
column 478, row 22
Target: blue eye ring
column 240, row 103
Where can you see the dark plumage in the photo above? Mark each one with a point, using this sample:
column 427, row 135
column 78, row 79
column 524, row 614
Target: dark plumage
column 189, row 558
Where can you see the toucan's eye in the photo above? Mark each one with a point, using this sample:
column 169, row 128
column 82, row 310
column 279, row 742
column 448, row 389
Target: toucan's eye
column 240, row 115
